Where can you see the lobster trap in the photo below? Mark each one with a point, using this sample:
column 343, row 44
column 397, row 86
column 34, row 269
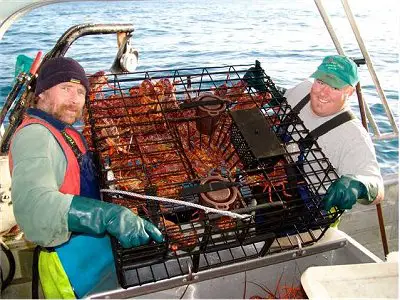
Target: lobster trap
column 215, row 137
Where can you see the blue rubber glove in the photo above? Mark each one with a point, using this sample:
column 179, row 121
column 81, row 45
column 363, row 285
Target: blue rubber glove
column 344, row 192
column 97, row 217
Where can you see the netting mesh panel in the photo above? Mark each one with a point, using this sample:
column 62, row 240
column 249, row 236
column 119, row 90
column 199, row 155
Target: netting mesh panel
column 179, row 134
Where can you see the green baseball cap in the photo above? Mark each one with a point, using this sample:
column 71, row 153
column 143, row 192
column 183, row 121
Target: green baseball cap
column 337, row 71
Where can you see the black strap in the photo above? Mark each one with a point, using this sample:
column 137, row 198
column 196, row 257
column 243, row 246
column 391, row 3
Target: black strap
column 323, row 128
column 326, row 127
column 295, row 112
column 5, row 282
column 299, row 106
column 74, row 147
column 35, row 272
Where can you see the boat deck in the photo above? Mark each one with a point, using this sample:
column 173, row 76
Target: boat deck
column 361, row 223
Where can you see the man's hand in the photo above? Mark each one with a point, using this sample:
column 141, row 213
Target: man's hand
column 97, row 217
column 343, row 193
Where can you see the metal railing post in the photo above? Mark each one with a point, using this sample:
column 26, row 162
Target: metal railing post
column 370, row 66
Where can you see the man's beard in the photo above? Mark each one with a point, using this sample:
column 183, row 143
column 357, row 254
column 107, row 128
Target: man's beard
column 60, row 114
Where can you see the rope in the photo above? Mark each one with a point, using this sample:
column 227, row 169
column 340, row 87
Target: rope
column 162, row 199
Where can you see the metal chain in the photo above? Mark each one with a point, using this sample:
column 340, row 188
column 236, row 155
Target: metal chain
column 162, row 199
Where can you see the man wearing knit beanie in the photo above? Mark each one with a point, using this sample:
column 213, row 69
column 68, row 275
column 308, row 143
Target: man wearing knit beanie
column 58, row 70
column 55, row 190
column 61, row 87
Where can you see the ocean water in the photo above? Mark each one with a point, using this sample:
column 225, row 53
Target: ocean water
column 288, row 37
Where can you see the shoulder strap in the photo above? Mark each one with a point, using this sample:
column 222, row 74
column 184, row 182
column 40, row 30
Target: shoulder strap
column 326, row 127
column 74, row 147
column 294, row 112
column 291, row 117
column 299, row 106
column 332, row 123
column 35, row 272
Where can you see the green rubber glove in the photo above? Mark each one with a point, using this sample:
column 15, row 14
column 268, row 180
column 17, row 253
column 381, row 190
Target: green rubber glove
column 92, row 216
column 344, row 192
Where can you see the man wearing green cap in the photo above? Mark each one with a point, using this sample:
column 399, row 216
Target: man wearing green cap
column 347, row 144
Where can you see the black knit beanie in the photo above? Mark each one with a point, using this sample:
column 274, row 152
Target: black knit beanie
column 58, row 70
